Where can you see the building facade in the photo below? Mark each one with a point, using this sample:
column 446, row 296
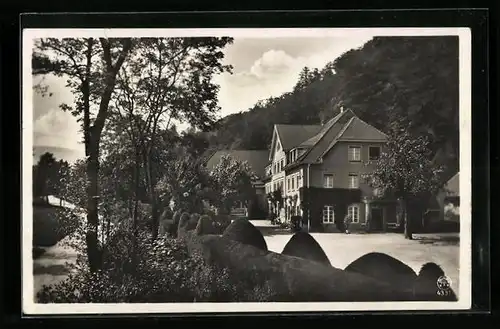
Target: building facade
column 320, row 172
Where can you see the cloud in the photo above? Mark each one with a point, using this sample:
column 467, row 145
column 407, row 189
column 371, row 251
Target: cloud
column 58, row 129
column 274, row 73
column 272, row 62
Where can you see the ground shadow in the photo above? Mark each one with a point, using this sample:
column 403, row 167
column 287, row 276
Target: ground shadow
column 438, row 241
column 37, row 252
column 275, row 231
column 51, row 269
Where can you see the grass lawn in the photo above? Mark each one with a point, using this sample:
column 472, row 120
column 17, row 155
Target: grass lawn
column 342, row 249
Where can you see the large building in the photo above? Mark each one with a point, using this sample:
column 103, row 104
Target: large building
column 319, row 170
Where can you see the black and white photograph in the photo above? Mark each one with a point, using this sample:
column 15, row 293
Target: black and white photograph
column 246, row 170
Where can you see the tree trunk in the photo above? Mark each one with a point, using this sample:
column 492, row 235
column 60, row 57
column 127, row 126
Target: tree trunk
column 150, row 179
column 93, row 252
column 136, row 208
column 408, row 227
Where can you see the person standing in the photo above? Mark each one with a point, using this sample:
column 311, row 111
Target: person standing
column 347, row 222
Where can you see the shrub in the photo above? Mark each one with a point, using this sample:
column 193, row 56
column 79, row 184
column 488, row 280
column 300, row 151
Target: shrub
column 165, row 272
column 255, row 209
column 244, row 232
column 175, row 225
column 167, row 214
column 193, row 221
column 222, row 222
column 383, row 267
column 206, row 226
column 183, row 224
column 285, row 225
column 210, row 212
column 303, row 245
column 296, row 221
column 50, row 225
column 426, row 284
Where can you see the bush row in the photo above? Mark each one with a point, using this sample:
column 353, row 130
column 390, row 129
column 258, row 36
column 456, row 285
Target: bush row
column 174, row 269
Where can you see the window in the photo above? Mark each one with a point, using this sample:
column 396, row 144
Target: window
column 374, row 152
column 328, row 181
column 282, row 163
column 353, row 211
column 299, row 181
column 328, row 215
column 353, row 181
column 289, row 184
column 293, row 183
column 354, row 153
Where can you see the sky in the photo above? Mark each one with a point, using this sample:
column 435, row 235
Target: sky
column 262, row 67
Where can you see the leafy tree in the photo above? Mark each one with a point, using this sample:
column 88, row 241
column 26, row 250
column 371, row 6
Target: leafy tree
column 168, row 80
column 48, row 175
column 415, row 78
column 43, row 179
column 231, row 182
column 184, row 180
column 405, row 171
column 90, row 66
column 75, row 178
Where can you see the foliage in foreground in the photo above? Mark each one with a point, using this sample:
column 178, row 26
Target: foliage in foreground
column 164, row 271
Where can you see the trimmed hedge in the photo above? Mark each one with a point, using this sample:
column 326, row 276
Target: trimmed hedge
column 175, row 225
column 426, row 284
column 243, row 231
column 385, row 268
column 206, row 226
column 222, row 222
column 303, row 245
column 193, row 220
column 292, row 279
column 183, row 225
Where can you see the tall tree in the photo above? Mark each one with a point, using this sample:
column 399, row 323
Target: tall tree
column 405, row 171
column 44, row 178
column 405, row 77
column 169, row 80
column 90, row 66
column 184, row 179
column 231, row 182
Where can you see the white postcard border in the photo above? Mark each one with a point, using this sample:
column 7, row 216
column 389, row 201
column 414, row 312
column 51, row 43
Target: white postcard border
column 465, row 286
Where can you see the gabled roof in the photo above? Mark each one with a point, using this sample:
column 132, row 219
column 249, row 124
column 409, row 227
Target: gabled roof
column 452, row 187
column 257, row 159
column 357, row 130
column 292, row 135
column 345, row 126
column 324, row 129
column 324, row 138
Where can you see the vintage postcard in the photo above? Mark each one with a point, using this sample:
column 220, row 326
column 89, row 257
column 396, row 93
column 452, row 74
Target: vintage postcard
column 246, row 170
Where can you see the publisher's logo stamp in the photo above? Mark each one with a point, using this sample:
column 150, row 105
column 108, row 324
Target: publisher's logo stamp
column 444, row 285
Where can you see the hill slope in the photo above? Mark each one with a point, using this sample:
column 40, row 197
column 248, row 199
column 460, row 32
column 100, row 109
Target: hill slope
column 414, row 78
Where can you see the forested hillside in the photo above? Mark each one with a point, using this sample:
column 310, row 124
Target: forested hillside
column 413, row 79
